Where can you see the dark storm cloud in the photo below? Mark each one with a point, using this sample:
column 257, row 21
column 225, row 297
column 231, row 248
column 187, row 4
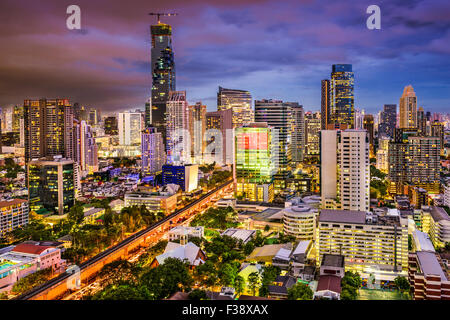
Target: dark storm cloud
column 275, row 49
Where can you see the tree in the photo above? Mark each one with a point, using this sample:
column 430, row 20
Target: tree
column 402, row 283
column 123, row 291
column 266, row 228
column 167, row 278
column 253, row 282
column 248, row 248
column 76, row 214
column 227, row 274
column 300, row 291
column 239, row 284
column 269, row 275
column 198, row 294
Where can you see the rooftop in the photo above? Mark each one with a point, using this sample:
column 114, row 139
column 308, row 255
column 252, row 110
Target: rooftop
column 429, row 264
column 11, row 202
column 240, row 234
column 30, row 248
column 342, row 216
column 333, row 260
column 331, row 283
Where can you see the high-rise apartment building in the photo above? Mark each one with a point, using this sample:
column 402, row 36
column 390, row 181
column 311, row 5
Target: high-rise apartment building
column 86, row 151
column 51, row 185
column 177, row 128
column 325, row 103
column 163, row 74
column 415, row 160
column 382, row 156
column 298, row 138
column 344, row 169
column 219, row 147
column 408, row 108
column 342, row 108
column 388, row 120
column 130, row 126
column 239, row 101
column 254, row 164
column 13, row 214
column 48, row 128
column 421, row 122
column 197, row 129
column 312, row 134
column 152, row 147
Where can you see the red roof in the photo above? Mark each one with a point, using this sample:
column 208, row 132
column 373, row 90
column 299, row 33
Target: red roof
column 331, row 283
column 30, row 248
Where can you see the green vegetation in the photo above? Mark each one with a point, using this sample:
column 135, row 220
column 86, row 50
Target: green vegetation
column 198, row 294
column 217, row 177
column 402, row 285
column 12, row 168
column 300, row 291
column 216, row 218
column 351, row 282
column 269, row 275
column 253, row 282
column 27, row 283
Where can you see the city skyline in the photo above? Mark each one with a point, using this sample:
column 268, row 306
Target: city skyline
column 106, row 65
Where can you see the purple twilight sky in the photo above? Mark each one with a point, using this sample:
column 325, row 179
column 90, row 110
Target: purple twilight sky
column 274, row 49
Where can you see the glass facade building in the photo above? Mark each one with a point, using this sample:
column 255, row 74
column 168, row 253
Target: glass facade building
column 239, row 101
column 342, row 110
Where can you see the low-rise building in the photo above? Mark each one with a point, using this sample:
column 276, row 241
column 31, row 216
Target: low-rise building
column 240, row 234
column 13, row 214
column 332, row 271
column 300, row 221
column 185, row 232
column 279, row 289
column 436, row 222
column 189, row 252
column 92, row 214
column 155, row 202
column 427, row 276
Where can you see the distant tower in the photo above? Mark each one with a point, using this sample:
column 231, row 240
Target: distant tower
column 342, row 102
column 408, row 108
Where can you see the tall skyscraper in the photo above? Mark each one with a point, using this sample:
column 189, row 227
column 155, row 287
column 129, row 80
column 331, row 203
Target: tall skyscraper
column 421, row 122
column 298, row 140
column 239, row 101
column 325, row 103
column 17, row 116
column 408, row 108
column 152, row 147
column 369, row 126
column 177, row 121
column 48, row 128
column 163, row 74
column 342, row 96
column 130, row 126
column 278, row 115
column 86, row 152
column 388, row 120
column 344, row 169
column 197, row 128
column 219, row 151
column 254, row 164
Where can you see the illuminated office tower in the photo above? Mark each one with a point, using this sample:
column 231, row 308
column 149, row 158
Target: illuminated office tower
column 148, row 113
column 298, row 134
column 177, row 129
column 152, row 147
column 421, row 122
column 48, row 128
column 219, row 121
column 369, row 126
column 111, row 126
column 359, row 119
column 197, row 129
column 342, row 110
column 16, row 117
column 239, row 101
column 254, row 164
column 130, row 126
column 344, row 169
column 51, row 184
column 312, row 133
column 408, row 108
column 163, row 74
column 325, row 103
column 414, row 159
column 278, row 115
column 85, row 148
column 388, row 120
column 382, row 156
column 94, row 117
column 437, row 130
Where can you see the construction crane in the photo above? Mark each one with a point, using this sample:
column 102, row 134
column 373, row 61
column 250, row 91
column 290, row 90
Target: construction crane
column 159, row 14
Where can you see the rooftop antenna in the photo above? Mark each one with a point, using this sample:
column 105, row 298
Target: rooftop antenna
column 159, row 14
